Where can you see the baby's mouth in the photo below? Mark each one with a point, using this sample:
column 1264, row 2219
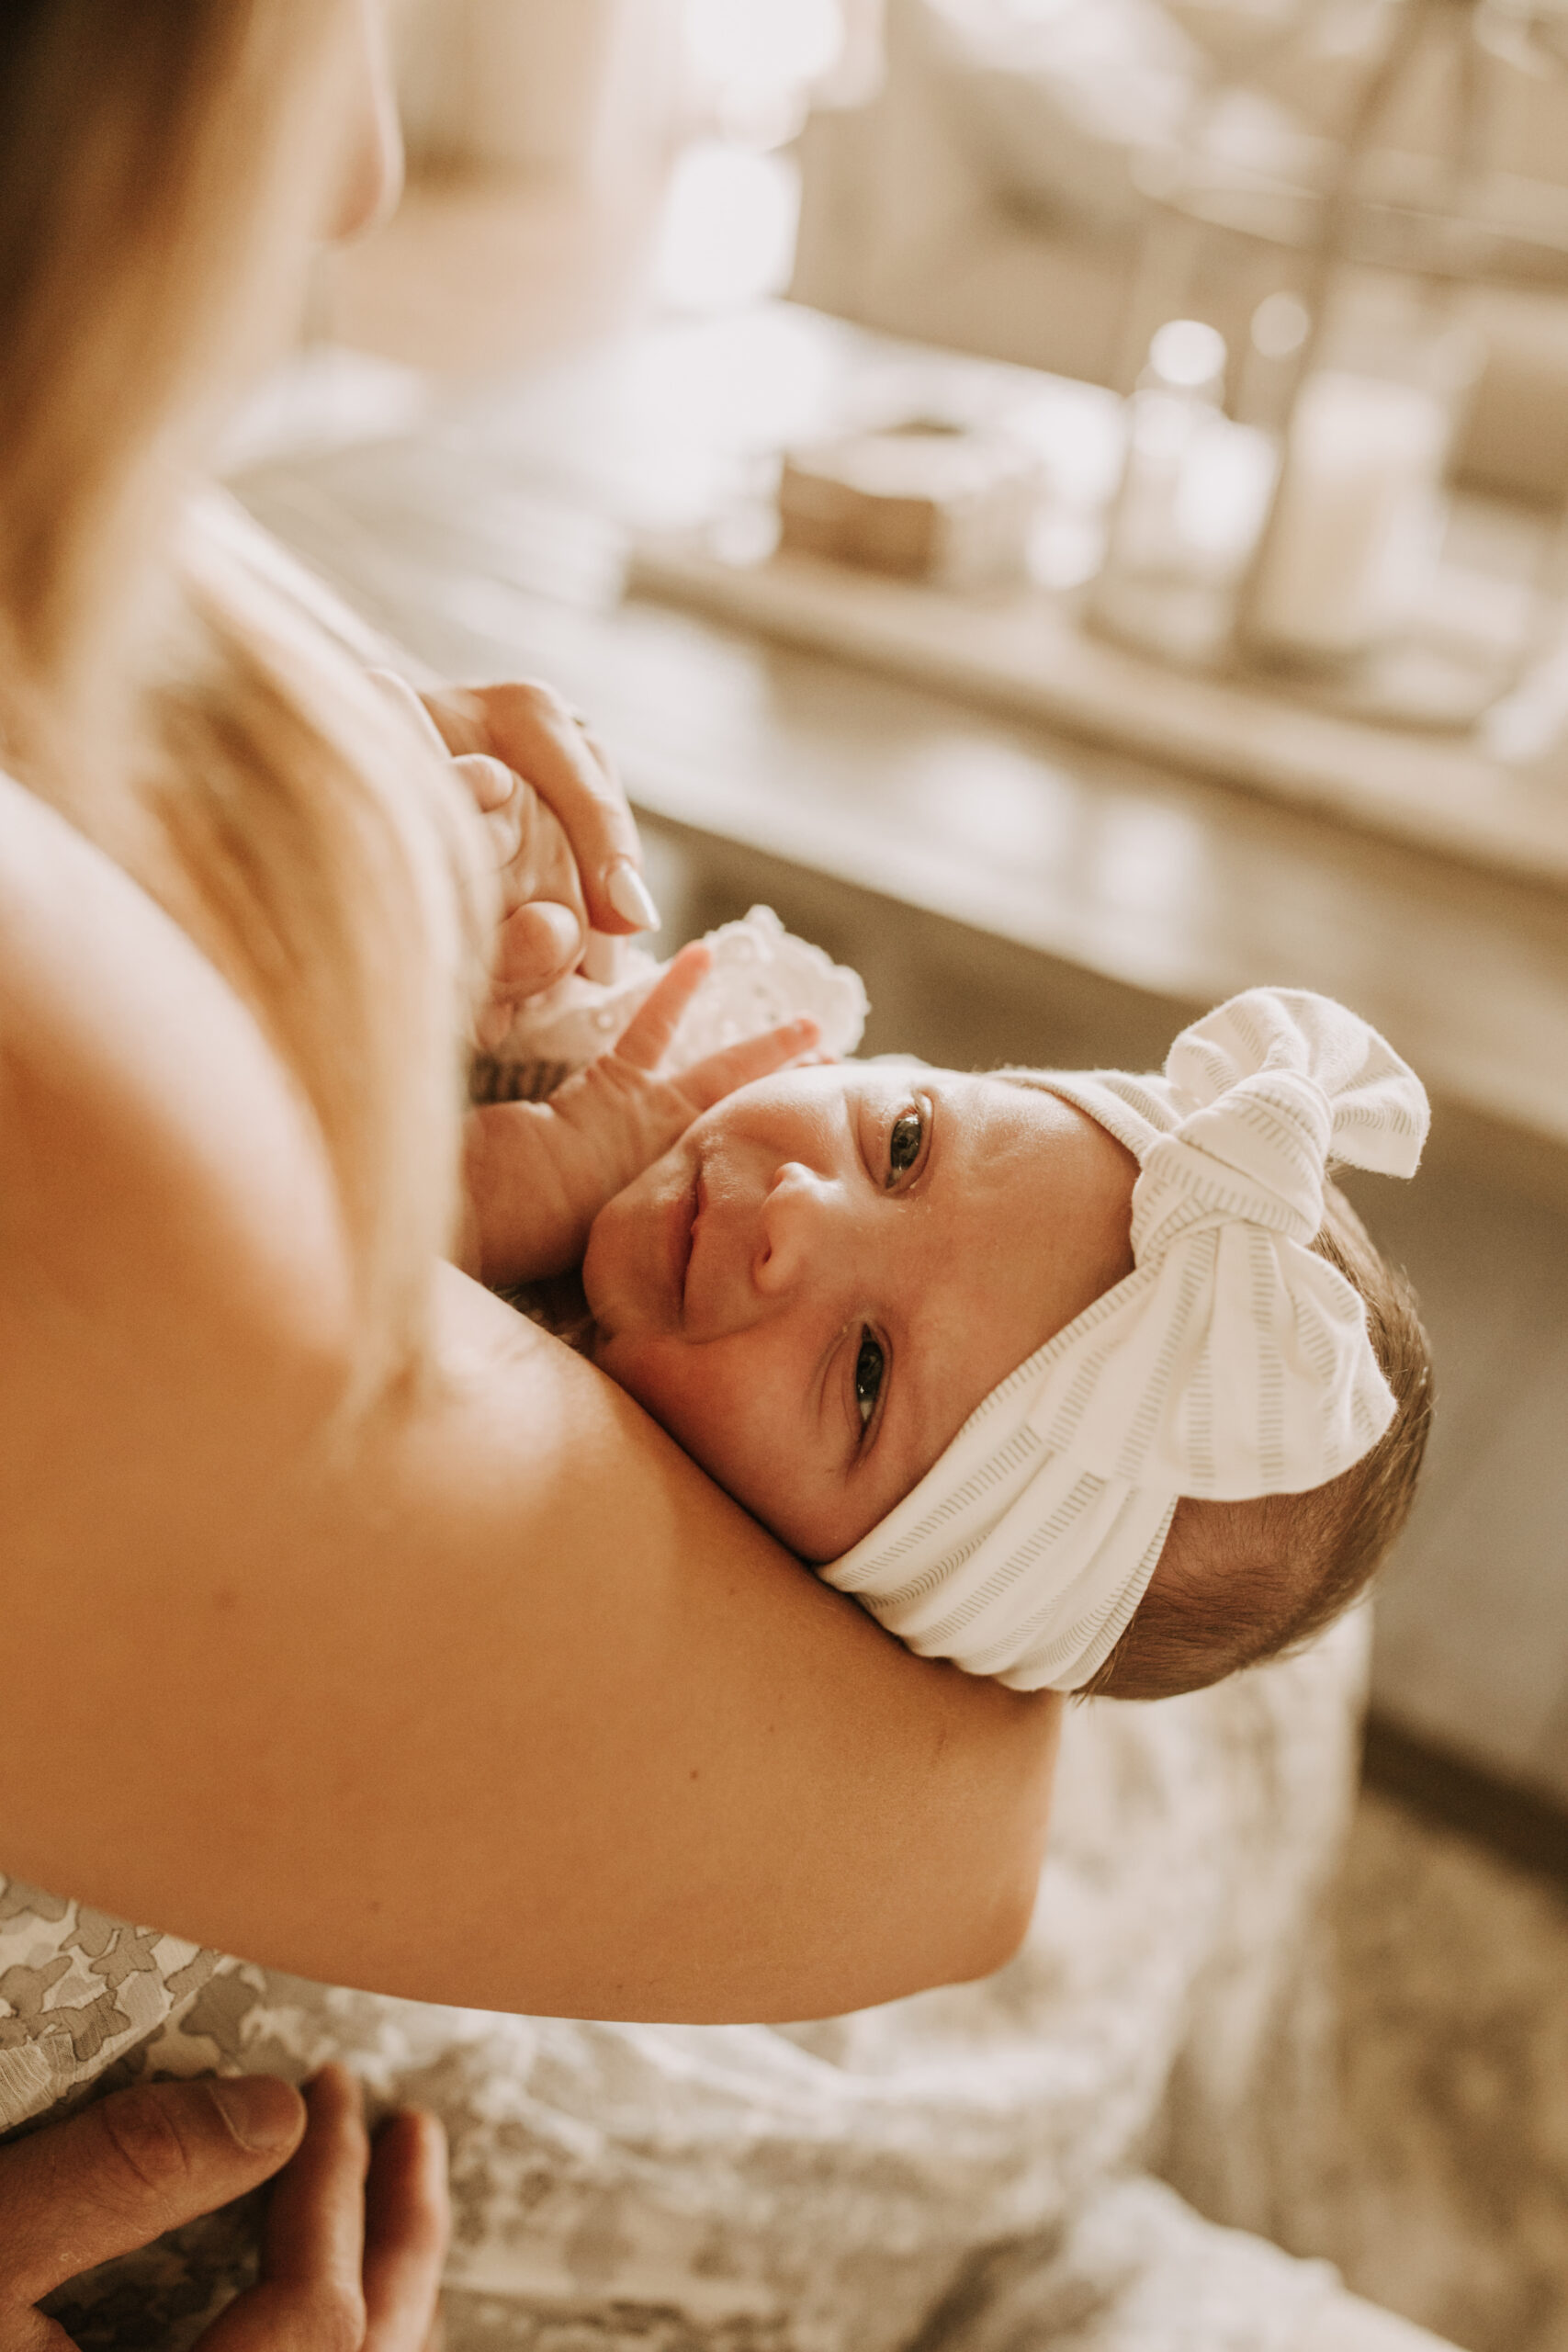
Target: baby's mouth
column 700, row 1202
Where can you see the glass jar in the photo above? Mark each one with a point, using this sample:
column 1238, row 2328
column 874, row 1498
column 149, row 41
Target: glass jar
column 1188, row 506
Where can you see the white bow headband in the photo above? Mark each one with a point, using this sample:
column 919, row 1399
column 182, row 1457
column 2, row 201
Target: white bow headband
column 1233, row 1362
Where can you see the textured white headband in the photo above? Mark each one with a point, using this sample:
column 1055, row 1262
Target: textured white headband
column 1233, row 1362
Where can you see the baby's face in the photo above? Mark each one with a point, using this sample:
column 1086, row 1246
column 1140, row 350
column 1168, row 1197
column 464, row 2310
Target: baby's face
column 816, row 1287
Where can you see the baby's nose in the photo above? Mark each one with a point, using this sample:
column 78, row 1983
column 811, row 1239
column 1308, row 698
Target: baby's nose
column 790, row 1229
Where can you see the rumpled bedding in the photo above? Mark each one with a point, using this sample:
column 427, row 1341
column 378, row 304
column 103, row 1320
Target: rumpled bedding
column 968, row 2169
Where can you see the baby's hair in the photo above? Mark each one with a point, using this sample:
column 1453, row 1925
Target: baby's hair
column 1239, row 1582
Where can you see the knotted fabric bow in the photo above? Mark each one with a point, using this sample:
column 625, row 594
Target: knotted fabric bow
column 1233, row 1362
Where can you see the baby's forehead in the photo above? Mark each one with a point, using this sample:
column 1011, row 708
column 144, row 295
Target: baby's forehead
column 972, row 1085
column 1004, row 1127
column 1001, row 1102
column 979, row 1096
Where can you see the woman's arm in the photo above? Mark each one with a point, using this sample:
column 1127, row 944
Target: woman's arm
column 503, row 1704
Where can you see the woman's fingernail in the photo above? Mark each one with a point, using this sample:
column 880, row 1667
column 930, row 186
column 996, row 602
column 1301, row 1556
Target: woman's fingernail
column 261, row 2111
column 628, row 894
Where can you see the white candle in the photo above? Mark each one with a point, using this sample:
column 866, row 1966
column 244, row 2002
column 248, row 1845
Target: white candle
column 1356, row 511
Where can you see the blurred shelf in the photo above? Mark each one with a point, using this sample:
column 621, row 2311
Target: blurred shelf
column 1029, row 652
column 1162, row 883
column 493, row 536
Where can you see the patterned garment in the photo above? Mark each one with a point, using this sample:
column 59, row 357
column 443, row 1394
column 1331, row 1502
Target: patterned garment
column 908, row 2174
column 78, row 1991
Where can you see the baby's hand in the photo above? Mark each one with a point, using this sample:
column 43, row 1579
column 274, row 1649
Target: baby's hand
column 538, row 1173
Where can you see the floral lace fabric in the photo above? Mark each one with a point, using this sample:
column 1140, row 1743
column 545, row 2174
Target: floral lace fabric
column 963, row 2169
column 762, row 975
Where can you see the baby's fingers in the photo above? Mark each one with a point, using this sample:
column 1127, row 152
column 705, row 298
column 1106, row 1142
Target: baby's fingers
column 707, row 1082
column 647, row 1038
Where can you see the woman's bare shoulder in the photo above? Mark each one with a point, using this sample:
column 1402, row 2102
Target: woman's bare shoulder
column 175, row 1317
column 153, row 1150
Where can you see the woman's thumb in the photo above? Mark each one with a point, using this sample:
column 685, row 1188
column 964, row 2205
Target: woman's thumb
column 134, row 2164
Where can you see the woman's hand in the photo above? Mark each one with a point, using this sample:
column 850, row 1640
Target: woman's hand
column 566, row 843
column 354, row 2238
column 538, row 1173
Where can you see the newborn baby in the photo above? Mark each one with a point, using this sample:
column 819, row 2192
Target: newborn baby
column 1084, row 1380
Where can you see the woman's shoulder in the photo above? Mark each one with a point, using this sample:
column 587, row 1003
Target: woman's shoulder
column 149, row 1134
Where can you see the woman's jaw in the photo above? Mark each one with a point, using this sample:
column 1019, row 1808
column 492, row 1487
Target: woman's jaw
column 816, row 1287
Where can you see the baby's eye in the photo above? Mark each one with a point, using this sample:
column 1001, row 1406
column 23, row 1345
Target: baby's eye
column 870, row 1365
column 904, row 1144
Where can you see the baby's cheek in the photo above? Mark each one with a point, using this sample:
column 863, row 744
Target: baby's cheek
column 686, row 1389
column 721, row 1410
column 708, row 1408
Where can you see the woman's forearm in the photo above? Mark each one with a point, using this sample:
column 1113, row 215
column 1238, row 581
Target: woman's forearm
column 513, row 1709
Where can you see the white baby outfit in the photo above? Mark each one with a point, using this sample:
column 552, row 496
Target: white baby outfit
column 762, row 975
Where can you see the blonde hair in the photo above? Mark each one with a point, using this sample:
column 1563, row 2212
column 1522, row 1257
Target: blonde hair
column 163, row 169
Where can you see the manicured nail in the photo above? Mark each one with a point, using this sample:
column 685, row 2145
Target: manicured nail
column 261, row 2112
column 628, row 894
